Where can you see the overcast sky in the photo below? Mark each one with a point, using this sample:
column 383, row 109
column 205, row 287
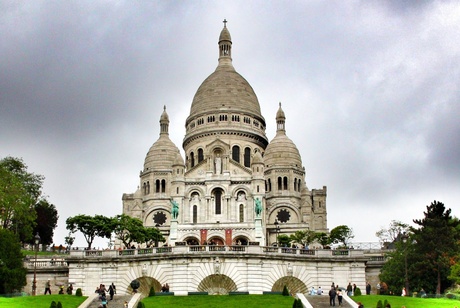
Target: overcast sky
column 370, row 90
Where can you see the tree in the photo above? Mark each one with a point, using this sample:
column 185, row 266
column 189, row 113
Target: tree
column 322, row 238
column 90, row 226
column 47, row 217
column 341, row 234
column 19, row 192
column 152, row 236
column 128, row 229
column 12, row 271
column 437, row 243
column 283, row 240
column 304, row 238
column 69, row 240
column 390, row 235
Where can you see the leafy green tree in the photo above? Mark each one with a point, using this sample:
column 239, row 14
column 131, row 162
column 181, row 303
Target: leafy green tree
column 128, row 229
column 20, row 190
column 390, row 234
column 322, row 238
column 455, row 273
column 91, row 227
column 152, row 236
column 69, row 240
column 436, row 241
column 12, row 271
column 341, row 234
column 47, row 217
column 283, row 240
column 303, row 237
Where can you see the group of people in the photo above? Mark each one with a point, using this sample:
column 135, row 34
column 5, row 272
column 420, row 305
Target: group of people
column 165, row 288
column 102, row 290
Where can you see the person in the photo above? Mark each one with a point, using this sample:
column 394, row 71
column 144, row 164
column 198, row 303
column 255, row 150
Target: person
column 125, row 305
column 332, row 294
column 69, row 289
column 368, row 288
column 48, row 287
column 360, row 305
column 312, row 291
column 403, row 292
column 114, row 288
column 167, row 287
column 349, row 289
column 339, row 296
column 111, row 291
column 104, row 301
column 354, row 288
column 320, row 291
column 422, row 293
column 61, row 290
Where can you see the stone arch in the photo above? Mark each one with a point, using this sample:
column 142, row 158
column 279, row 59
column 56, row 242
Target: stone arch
column 192, row 240
column 294, row 285
column 216, row 239
column 146, row 284
column 241, row 240
column 217, row 285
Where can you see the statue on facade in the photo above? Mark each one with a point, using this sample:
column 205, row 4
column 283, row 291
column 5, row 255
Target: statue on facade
column 175, row 209
column 258, row 207
column 218, row 163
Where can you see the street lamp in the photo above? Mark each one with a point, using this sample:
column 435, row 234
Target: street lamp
column 276, row 223
column 34, row 283
column 404, row 238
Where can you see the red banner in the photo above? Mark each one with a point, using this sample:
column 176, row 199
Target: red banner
column 228, row 237
column 204, row 236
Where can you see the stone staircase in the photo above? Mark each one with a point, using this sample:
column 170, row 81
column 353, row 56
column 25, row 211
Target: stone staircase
column 117, row 302
column 322, row 301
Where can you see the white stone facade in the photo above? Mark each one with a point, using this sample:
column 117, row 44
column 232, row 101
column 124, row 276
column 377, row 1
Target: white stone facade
column 229, row 164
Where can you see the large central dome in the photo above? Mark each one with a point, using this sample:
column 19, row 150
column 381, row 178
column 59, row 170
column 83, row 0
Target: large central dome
column 223, row 90
column 225, row 103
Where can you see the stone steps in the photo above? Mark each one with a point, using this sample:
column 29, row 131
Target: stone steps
column 322, row 301
column 118, row 301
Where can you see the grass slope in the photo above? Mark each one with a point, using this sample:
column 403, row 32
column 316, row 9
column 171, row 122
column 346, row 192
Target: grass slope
column 42, row 301
column 214, row 301
column 410, row 302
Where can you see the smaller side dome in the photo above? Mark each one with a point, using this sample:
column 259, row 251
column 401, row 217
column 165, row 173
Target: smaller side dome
column 179, row 160
column 257, row 159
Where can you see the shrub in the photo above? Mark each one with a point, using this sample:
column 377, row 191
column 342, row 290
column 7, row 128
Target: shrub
column 379, row 304
column 285, row 291
column 140, row 305
column 385, row 303
column 152, row 292
column 53, row 304
column 357, row 292
column 59, row 305
column 78, row 292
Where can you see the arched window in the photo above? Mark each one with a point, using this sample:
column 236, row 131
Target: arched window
column 298, row 185
column 241, row 213
column 295, row 184
column 192, row 159
column 145, row 188
column 285, row 183
column 218, row 201
column 195, row 214
column 177, row 190
column 163, row 186
column 200, row 155
column 258, row 188
column 148, row 187
column 269, row 185
column 157, row 186
column 247, row 157
column 280, row 184
column 236, row 153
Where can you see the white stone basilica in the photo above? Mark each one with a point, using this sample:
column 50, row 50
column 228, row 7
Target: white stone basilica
column 234, row 186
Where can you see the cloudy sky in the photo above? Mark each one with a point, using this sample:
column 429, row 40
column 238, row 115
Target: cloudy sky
column 370, row 90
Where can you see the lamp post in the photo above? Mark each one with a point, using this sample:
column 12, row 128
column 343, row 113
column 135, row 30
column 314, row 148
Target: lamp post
column 34, row 283
column 276, row 223
column 406, row 278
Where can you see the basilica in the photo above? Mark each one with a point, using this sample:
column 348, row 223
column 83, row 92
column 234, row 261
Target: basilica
column 234, row 186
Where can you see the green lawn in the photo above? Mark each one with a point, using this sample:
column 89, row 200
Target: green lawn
column 42, row 301
column 227, row 301
column 370, row 301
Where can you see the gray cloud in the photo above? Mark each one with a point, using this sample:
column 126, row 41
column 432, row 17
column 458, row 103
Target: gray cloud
column 370, row 91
